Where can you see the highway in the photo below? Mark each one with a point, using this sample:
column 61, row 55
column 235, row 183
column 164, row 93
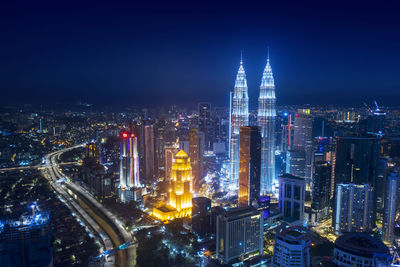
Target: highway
column 106, row 224
column 39, row 167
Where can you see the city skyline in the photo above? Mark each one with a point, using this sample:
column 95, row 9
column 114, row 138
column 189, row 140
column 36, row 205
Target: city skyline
column 188, row 133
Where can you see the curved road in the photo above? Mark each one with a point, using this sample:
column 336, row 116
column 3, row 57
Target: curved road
column 108, row 227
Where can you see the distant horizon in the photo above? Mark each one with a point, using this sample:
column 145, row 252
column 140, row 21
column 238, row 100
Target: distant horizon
column 95, row 106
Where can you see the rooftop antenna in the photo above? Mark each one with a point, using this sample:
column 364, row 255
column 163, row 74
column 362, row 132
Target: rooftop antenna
column 268, row 53
column 241, row 57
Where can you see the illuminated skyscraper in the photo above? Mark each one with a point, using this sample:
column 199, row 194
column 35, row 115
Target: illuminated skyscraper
column 180, row 196
column 266, row 121
column 353, row 210
column 291, row 198
column 321, row 190
column 239, row 117
column 303, row 141
column 149, row 148
column 239, row 233
column 196, row 158
column 390, row 208
column 180, row 190
column 249, row 166
column 204, row 110
column 357, row 161
column 129, row 161
column 128, row 167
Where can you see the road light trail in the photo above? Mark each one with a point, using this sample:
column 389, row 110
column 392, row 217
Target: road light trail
column 103, row 221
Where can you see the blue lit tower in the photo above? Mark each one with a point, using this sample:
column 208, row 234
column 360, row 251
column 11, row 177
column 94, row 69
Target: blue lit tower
column 239, row 117
column 266, row 122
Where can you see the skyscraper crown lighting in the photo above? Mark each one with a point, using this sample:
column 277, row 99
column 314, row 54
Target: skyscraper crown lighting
column 239, row 117
column 266, row 122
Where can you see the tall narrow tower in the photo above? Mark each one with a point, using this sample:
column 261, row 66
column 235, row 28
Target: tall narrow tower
column 239, row 117
column 129, row 161
column 266, row 122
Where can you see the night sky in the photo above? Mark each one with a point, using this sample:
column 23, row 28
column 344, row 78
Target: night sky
column 111, row 52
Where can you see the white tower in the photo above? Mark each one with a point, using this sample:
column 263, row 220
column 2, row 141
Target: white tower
column 239, row 117
column 266, row 122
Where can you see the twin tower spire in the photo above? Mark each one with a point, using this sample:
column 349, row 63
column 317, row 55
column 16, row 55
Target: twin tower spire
column 266, row 122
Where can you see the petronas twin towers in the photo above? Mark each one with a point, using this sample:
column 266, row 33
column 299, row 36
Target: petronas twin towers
column 266, row 121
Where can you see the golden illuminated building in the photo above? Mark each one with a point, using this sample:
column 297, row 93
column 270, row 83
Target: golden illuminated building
column 180, row 190
column 249, row 165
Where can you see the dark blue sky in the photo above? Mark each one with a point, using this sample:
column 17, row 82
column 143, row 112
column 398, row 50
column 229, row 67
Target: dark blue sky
column 147, row 53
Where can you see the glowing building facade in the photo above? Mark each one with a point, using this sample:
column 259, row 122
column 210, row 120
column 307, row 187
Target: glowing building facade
column 129, row 161
column 266, row 122
column 353, row 210
column 128, row 167
column 180, row 190
column 196, row 158
column 249, row 166
column 239, row 117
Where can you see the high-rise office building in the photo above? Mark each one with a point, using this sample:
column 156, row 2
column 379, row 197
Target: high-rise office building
column 292, row 247
column 159, row 151
column 196, row 159
column 149, row 150
column 303, row 140
column 357, row 161
column 291, row 198
column 239, row 117
column 353, row 209
column 201, row 216
column 27, row 241
column 249, row 165
column 239, row 233
column 205, row 126
column 321, row 189
column 180, row 190
column 128, row 167
column 266, row 121
column 390, row 208
column 287, row 129
column 296, row 162
column 379, row 190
